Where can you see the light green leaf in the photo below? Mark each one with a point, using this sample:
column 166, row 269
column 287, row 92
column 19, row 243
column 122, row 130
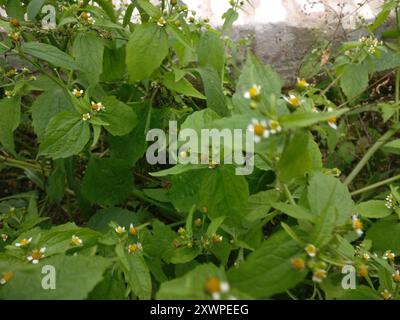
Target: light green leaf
column 145, row 51
column 182, row 86
column 211, row 52
column 354, row 80
column 50, row 54
column 10, row 110
column 66, row 135
column 294, row 211
column 385, row 235
column 268, row 270
column 301, row 119
column 373, row 209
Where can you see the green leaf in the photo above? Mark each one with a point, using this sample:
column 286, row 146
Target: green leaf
column 150, row 9
column 392, row 147
column 15, row 9
column 294, row 211
column 224, row 194
column 136, row 272
column 111, row 288
column 76, row 276
column 373, row 209
column 211, row 52
column 33, row 8
column 56, row 182
column 213, row 88
column 107, row 181
column 260, row 204
column 385, row 235
column 268, row 270
column 10, row 110
column 354, row 80
column 46, row 106
column 121, row 118
column 330, row 200
column 88, row 52
column 108, row 8
column 230, row 17
column 66, row 135
column 302, row 119
column 145, row 51
column 190, row 286
column 182, row 86
column 300, row 156
column 114, row 67
column 101, row 219
column 50, row 54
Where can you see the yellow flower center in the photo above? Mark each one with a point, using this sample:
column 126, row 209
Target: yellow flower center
column 302, row 83
column 363, row 271
column 311, row 249
column 24, row 242
column 298, row 264
column 332, row 120
column 294, row 102
column 253, row 92
column 216, row 238
column 213, row 285
column 133, row 231
column 396, row 277
column 259, row 130
column 197, row 222
column 7, row 276
column 37, row 254
column 274, row 124
column 320, row 274
column 132, row 248
column 357, row 224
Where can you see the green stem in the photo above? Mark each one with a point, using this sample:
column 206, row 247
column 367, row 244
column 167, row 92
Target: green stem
column 378, row 144
column 376, row 185
column 20, row 164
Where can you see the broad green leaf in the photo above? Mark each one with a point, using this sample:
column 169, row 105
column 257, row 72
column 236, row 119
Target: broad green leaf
column 300, row 156
column 182, row 86
column 150, row 9
column 101, row 219
column 354, row 80
column 56, row 182
column 230, row 17
column 114, row 67
column 50, row 54
column 46, row 106
column 213, row 89
column 15, row 9
column 10, row 110
column 330, row 200
column 108, row 8
column 190, row 286
column 373, row 209
column 76, row 276
column 136, row 272
column 268, row 270
column 294, row 211
column 33, row 8
column 145, row 51
column 301, row 119
column 211, row 52
column 111, row 288
column 224, row 194
column 121, row 118
column 260, row 204
column 88, row 52
column 107, row 181
column 392, row 147
column 66, row 135
column 385, row 235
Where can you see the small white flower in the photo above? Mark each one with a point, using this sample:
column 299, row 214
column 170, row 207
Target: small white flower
column 77, row 93
column 302, row 83
column 86, row 116
column 4, row 237
column 311, row 250
column 97, row 106
column 293, row 100
column 332, row 121
column 274, row 127
column 6, row 277
column 389, row 255
column 23, row 242
column 120, row 230
column 161, row 22
column 36, row 255
column 253, row 93
column 319, row 275
column 76, row 241
column 259, row 129
column 357, row 225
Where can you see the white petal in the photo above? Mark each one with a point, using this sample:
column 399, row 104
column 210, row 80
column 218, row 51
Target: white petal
column 247, row 95
column 264, row 123
column 332, row 125
column 216, row 296
column 17, row 244
column 250, row 128
column 30, row 258
column 257, row 139
column 254, row 121
column 225, row 287
column 266, row 133
column 2, row 281
column 42, row 250
column 35, row 261
column 30, row 239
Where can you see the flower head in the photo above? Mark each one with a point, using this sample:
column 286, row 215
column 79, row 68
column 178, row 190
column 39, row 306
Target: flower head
column 132, row 230
column 311, row 250
column 389, row 255
column 386, row 295
column 76, row 241
column 9, row 93
column 134, row 247
column 197, row 222
column 15, row 36
column 274, row 127
column 162, row 22
column 259, row 129
column 6, row 277
column 389, row 201
column 36, row 255
column 253, row 93
column 77, row 93
column 302, row 83
column 97, row 106
column 120, row 230
column 4, row 237
column 357, row 225
column 216, row 238
column 86, row 116
column 215, row 287
column 24, row 242
column 87, row 18
column 396, row 276
column 363, row 270
column 332, row 121
column 293, row 101
column 298, row 264
column 319, row 275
